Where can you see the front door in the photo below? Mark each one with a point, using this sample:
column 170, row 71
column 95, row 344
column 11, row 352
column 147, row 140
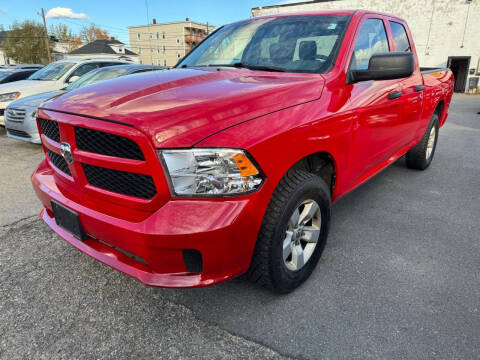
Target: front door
column 377, row 105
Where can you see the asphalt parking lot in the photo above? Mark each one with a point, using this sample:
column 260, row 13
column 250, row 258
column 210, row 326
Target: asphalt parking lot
column 400, row 277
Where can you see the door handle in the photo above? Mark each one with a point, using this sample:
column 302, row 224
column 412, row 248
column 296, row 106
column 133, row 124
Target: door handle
column 419, row 88
column 394, row 95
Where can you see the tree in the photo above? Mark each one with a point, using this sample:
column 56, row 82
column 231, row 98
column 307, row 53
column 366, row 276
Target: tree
column 61, row 32
column 65, row 36
column 26, row 43
column 92, row 33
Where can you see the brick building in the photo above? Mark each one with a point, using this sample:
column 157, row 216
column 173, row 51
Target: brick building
column 165, row 43
column 445, row 32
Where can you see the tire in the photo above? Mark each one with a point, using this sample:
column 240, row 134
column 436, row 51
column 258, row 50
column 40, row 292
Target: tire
column 298, row 190
column 421, row 155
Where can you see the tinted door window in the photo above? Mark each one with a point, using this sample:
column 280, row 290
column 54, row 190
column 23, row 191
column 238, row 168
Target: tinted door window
column 400, row 37
column 15, row 77
column 83, row 69
column 6, row 79
column 22, row 75
column 372, row 39
column 144, row 70
column 111, row 64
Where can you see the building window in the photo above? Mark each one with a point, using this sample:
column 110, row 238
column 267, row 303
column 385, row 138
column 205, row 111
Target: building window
column 163, row 35
column 178, row 41
column 139, row 50
column 178, row 55
column 158, row 36
column 164, row 62
column 158, row 51
column 163, row 48
column 151, row 36
column 151, row 50
column 138, row 36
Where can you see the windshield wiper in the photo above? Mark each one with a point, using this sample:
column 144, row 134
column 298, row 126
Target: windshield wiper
column 251, row 66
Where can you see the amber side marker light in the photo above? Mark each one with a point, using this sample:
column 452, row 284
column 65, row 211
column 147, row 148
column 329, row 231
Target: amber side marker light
column 245, row 165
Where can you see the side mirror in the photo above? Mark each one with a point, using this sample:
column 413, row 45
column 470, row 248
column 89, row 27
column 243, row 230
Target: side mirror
column 73, row 78
column 385, row 66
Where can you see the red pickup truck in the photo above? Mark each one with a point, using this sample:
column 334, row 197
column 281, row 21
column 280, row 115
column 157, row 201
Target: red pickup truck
column 229, row 163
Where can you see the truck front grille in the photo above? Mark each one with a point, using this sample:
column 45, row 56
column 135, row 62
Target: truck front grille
column 14, row 115
column 136, row 180
column 107, row 144
column 59, row 162
column 50, row 129
column 121, row 182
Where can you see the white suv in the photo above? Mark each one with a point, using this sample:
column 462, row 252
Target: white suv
column 54, row 76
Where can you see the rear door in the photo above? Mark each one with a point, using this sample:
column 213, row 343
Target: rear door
column 412, row 87
column 375, row 104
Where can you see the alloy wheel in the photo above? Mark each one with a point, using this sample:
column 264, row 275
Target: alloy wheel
column 302, row 235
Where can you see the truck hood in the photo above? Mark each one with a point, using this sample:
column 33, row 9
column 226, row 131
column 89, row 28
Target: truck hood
column 181, row 107
column 28, row 87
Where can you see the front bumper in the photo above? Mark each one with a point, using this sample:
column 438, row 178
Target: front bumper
column 224, row 231
column 25, row 129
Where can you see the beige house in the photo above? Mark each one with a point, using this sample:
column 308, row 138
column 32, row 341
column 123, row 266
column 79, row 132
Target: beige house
column 164, row 44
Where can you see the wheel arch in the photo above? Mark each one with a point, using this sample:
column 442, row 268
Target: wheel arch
column 321, row 164
column 439, row 108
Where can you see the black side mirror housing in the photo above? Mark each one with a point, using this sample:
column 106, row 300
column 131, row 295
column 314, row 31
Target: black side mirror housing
column 385, row 66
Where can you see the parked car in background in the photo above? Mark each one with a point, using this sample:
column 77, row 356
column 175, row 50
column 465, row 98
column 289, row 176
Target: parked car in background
column 21, row 66
column 20, row 115
column 54, row 76
column 8, row 75
column 14, row 74
column 230, row 163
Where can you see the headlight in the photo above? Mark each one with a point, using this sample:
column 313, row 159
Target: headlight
column 9, row 96
column 211, row 171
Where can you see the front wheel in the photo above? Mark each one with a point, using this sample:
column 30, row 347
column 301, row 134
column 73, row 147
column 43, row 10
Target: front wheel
column 293, row 232
column 421, row 155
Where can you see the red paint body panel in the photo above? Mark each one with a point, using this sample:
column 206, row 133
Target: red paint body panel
column 175, row 108
column 279, row 118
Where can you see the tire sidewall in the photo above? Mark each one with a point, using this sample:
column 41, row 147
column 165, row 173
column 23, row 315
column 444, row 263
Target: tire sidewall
column 284, row 278
column 433, row 123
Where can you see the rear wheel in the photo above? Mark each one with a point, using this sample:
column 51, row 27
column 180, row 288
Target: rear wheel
column 293, row 232
column 421, row 155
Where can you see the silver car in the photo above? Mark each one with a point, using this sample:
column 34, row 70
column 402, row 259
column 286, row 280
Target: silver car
column 20, row 115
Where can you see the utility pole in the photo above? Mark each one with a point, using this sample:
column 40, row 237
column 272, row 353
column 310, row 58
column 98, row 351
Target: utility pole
column 46, row 37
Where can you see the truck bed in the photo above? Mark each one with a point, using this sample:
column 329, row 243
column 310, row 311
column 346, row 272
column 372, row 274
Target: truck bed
column 426, row 70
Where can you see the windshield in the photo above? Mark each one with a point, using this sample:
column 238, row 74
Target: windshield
column 291, row 43
column 53, row 71
column 97, row 75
